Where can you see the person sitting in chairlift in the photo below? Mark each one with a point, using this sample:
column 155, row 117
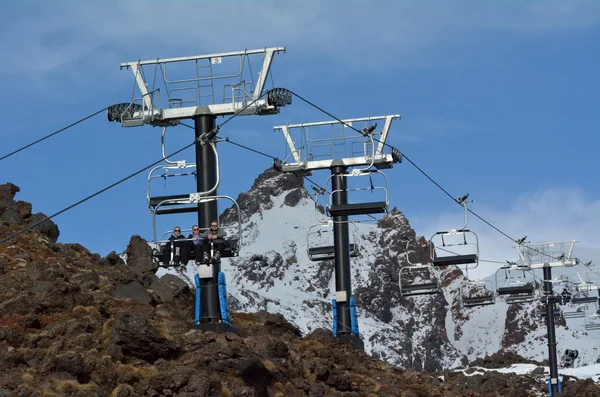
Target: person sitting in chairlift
column 195, row 242
column 180, row 249
column 566, row 296
column 214, row 236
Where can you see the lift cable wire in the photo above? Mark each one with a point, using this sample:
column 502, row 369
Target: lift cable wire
column 258, row 152
column 92, row 195
column 266, row 155
column 213, row 131
column 250, row 149
column 52, row 134
column 414, row 165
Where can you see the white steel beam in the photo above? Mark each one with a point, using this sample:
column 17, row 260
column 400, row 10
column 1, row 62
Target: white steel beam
column 291, row 144
column 384, row 133
column 348, row 121
column 264, row 72
column 218, row 109
column 192, row 58
column 137, row 73
column 326, row 164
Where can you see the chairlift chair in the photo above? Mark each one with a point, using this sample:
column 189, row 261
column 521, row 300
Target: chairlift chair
column 323, row 232
column 516, row 289
column 443, row 252
column 189, row 203
column 365, row 208
column 418, row 279
column 477, row 293
column 592, row 322
column 574, row 312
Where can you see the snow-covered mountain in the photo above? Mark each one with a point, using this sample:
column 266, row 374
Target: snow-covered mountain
column 433, row 332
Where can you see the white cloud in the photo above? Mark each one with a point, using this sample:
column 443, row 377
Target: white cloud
column 364, row 35
column 549, row 215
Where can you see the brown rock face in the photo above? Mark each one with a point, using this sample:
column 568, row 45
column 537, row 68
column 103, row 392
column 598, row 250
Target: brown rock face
column 17, row 214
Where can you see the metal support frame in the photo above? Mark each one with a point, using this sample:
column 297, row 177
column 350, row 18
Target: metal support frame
column 210, row 306
column 207, row 181
column 545, row 256
column 343, row 281
column 552, row 254
column 550, row 305
column 303, row 162
column 147, row 109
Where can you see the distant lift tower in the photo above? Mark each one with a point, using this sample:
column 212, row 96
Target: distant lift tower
column 192, row 86
column 546, row 256
column 332, row 145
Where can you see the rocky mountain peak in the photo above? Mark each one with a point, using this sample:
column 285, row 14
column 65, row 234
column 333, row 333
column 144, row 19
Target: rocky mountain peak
column 271, row 183
column 17, row 214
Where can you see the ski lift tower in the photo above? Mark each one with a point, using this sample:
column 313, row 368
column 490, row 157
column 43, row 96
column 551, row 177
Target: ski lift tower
column 546, row 256
column 336, row 146
column 191, row 89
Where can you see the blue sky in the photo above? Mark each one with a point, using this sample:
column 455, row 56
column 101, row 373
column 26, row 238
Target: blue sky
column 498, row 99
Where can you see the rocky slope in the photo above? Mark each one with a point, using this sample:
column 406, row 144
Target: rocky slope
column 75, row 324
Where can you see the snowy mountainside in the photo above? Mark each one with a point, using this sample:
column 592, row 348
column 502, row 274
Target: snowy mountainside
column 433, row 332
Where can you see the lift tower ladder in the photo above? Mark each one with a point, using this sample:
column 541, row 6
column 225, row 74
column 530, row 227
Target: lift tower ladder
column 170, row 90
column 334, row 145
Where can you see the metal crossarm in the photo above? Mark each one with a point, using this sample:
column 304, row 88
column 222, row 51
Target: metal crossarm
column 190, row 84
column 549, row 254
column 319, row 144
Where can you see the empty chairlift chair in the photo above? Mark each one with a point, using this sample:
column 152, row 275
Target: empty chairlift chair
column 418, row 279
column 477, row 293
column 518, row 285
column 319, row 242
column 592, row 321
column 364, row 208
column 455, row 246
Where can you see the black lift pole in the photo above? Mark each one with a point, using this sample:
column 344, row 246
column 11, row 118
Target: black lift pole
column 206, row 178
column 341, row 242
column 553, row 385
